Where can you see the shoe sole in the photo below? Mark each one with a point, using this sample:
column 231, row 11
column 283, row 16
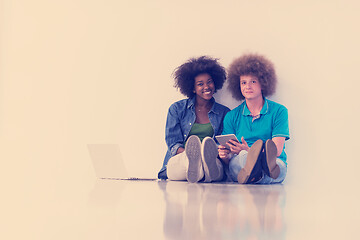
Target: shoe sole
column 271, row 167
column 209, row 152
column 251, row 160
column 192, row 149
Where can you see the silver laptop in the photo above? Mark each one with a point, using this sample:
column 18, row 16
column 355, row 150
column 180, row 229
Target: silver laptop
column 108, row 162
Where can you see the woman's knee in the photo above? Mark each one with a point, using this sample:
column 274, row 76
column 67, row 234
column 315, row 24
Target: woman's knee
column 177, row 167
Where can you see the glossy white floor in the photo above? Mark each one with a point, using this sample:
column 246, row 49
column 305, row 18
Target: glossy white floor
column 115, row 209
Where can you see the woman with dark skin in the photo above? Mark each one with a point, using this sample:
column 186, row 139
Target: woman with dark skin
column 193, row 122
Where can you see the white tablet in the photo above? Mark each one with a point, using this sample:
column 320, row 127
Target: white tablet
column 223, row 139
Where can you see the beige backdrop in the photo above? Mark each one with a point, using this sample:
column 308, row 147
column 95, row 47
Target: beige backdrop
column 79, row 72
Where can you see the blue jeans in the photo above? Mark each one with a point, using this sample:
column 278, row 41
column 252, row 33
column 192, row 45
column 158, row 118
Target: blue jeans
column 238, row 162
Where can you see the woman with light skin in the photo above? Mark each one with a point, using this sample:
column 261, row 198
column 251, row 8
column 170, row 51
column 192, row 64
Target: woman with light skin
column 193, row 122
column 261, row 125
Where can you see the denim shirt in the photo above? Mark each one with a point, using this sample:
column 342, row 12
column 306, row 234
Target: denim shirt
column 181, row 117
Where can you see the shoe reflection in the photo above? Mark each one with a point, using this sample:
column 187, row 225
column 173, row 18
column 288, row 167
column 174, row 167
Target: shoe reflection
column 223, row 211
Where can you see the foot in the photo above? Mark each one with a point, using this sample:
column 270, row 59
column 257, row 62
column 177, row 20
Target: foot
column 193, row 153
column 252, row 171
column 269, row 162
column 209, row 153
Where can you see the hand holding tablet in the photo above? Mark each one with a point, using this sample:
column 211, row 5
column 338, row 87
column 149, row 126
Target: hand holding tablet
column 224, row 139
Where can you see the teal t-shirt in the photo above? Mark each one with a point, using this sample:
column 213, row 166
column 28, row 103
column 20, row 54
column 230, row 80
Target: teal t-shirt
column 202, row 130
column 272, row 122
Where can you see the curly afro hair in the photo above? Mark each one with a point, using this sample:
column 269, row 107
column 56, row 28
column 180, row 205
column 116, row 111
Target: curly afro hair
column 185, row 74
column 255, row 65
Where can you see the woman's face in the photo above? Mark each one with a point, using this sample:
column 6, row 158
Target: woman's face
column 250, row 87
column 204, row 86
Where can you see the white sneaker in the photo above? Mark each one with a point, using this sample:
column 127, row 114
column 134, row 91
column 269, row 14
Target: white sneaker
column 212, row 166
column 195, row 170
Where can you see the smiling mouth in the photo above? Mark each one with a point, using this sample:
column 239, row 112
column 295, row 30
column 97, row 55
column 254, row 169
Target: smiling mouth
column 207, row 92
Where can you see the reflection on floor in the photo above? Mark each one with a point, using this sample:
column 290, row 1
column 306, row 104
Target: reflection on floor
column 223, row 211
column 115, row 209
column 179, row 210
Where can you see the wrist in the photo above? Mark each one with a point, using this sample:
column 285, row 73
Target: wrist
column 224, row 160
column 230, row 156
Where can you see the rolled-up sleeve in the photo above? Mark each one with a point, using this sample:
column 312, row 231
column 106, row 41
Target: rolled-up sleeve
column 173, row 131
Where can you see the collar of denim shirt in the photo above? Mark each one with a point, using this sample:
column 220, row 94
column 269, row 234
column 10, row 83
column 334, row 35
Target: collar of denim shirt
column 213, row 109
